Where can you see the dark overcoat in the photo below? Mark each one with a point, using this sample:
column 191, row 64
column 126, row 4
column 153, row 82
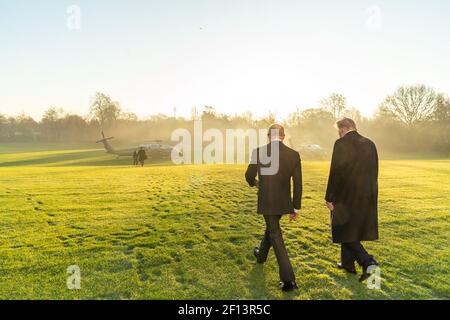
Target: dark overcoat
column 353, row 189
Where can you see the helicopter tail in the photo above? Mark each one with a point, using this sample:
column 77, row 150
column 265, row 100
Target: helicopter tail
column 108, row 147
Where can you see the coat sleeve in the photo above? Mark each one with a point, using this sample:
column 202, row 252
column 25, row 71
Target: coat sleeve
column 252, row 170
column 335, row 172
column 375, row 172
column 376, row 159
column 298, row 183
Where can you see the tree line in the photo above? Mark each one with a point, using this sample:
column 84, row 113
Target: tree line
column 413, row 118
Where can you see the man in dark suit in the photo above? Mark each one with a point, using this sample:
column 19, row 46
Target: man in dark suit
column 135, row 158
column 352, row 196
column 142, row 156
column 276, row 164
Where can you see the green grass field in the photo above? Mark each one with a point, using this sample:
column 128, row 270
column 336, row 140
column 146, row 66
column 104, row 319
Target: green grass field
column 187, row 232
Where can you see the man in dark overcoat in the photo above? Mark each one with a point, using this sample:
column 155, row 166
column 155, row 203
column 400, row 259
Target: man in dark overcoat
column 352, row 196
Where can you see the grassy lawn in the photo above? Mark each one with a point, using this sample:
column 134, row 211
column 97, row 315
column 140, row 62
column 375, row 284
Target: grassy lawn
column 187, row 232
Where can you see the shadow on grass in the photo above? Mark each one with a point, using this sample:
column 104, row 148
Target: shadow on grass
column 257, row 282
column 81, row 158
column 358, row 289
column 52, row 159
column 258, row 286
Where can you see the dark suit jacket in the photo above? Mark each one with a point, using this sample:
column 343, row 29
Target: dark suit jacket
column 353, row 189
column 142, row 155
column 274, row 192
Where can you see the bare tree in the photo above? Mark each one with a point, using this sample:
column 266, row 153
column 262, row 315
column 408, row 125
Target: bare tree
column 335, row 103
column 267, row 120
column 128, row 116
column 442, row 108
column 412, row 104
column 51, row 125
column 314, row 125
column 3, row 127
column 353, row 113
column 104, row 110
column 441, row 126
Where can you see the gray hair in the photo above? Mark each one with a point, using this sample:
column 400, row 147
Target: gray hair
column 346, row 123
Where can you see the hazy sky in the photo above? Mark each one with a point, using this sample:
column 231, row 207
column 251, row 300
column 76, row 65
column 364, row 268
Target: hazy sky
column 238, row 55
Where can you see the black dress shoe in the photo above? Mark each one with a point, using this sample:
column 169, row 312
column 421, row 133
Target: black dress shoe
column 287, row 286
column 366, row 266
column 256, row 253
column 347, row 269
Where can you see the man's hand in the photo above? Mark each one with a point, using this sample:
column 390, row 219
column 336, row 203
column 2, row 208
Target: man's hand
column 330, row 206
column 256, row 184
column 294, row 215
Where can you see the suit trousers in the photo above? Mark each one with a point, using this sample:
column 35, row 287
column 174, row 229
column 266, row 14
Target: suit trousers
column 354, row 251
column 273, row 238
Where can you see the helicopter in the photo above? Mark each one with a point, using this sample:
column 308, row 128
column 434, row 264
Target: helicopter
column 308, row 151
column 154, row 150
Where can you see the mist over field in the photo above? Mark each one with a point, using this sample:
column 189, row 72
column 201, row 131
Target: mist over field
column 414, row 119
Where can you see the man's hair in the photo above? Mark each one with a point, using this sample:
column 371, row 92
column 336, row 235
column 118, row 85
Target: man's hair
column 346, row 123
column 276, row 129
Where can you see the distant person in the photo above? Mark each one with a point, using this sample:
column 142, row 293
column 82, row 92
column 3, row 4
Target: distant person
column 142, row 156
column 352, row 196
column 274, row 199
column 135, row 158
